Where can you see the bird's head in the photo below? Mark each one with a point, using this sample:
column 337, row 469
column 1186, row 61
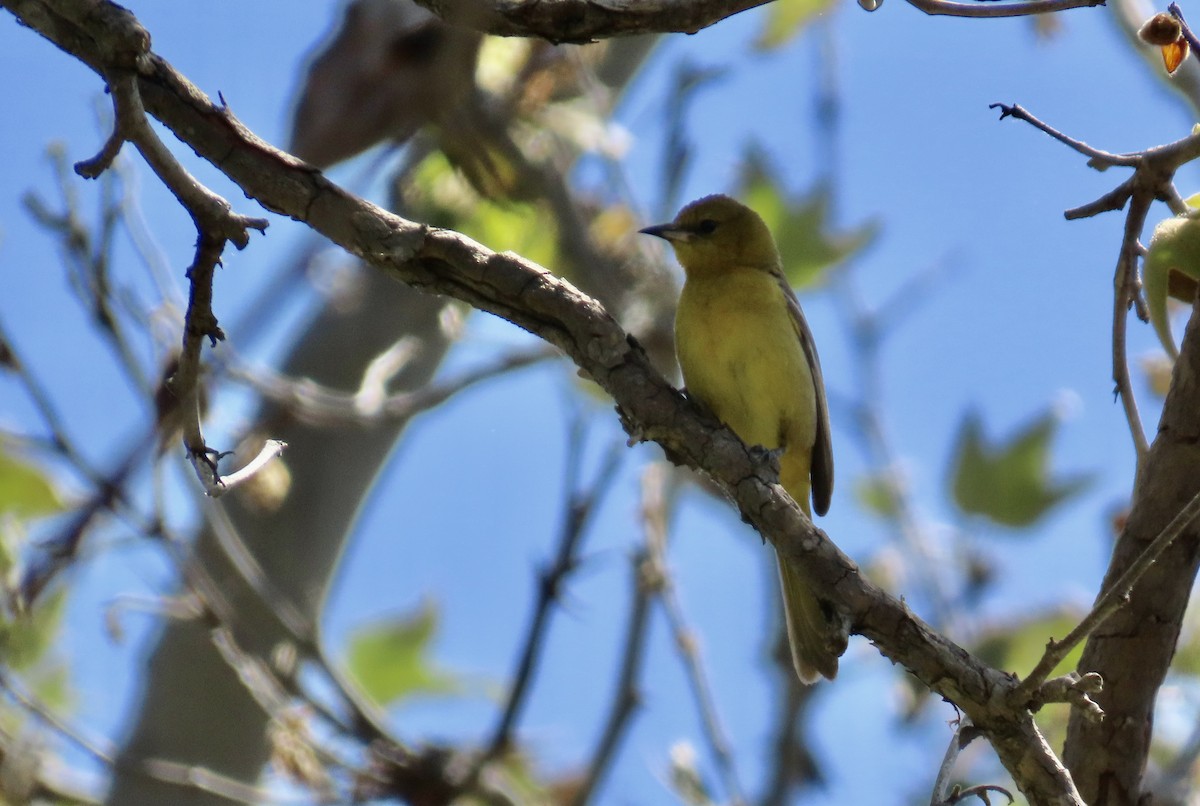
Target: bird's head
column 716, row 233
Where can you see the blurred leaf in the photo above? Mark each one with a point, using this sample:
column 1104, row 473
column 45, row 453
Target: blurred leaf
column 25, row 490
column 485, row 155
column 24, row 639
column 441, row 196
column 685, row 779
column 1045, row 26
column 1157, row 369
column 1009, row 482
column 1187, row 653
column 389, row 659
column 802, row 229
column 521, row 228
column 52, row 685
column 877, row 494
column 785, row 19
column 1018, row 645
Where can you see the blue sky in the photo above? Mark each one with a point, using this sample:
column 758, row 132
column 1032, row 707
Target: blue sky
column 1019, row 323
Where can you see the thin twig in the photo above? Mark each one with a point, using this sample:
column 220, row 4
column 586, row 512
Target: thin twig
column 324, row 406
column 964, row 734
column 626, row 698
column 88, row 256
column 1104, row 158
column 1125, row 290
column 654, row 516
column 579, row 510
column 1185, row 29
column 364, row 721
column 993, row 10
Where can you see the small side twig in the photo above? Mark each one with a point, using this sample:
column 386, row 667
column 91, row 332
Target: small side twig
column 1103, row 159
column 1186, row 30
column 1076, row 689
column 1106, row 604
column 324, row 406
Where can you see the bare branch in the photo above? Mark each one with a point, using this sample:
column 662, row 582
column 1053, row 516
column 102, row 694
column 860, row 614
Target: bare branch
column 654, row 516
column 581, row 506
column 992, row 10
column 626, row 698
column 1152, row 180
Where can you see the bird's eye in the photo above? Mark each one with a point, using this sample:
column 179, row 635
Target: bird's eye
column 707, row 227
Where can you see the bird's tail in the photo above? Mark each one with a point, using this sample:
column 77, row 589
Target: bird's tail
column 817, row 637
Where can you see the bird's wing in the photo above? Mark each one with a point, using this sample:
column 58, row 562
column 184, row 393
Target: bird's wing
column 822, row 455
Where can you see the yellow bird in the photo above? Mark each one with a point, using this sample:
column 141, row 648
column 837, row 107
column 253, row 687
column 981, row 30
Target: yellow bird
column 748, row 355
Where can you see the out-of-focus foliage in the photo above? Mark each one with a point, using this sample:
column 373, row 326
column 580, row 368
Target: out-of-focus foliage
column 877, row 494
column 25, row 492
column 785, row 20
column 1009, row 482
column 28, row 637
column 1018, row 645
column 446, row 199
column 808, row 245
column 389, row 659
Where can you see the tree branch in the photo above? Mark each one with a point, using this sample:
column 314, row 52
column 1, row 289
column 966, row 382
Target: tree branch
column 583, row 21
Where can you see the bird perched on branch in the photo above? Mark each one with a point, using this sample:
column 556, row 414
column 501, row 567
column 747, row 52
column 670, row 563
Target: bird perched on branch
column 748, row 355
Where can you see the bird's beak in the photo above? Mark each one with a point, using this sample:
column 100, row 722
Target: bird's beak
column 668, row 232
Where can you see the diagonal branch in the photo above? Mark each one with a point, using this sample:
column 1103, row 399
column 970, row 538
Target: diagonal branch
column 583, row 21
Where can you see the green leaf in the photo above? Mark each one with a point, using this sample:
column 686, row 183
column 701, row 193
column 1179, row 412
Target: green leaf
column 440, row 195
column 1174, row 248
column 389, row 658
column 52, row 685
column 808, row 246
column 785, row 19
column 521, row 228
column 25, row 490
column 24, row 639
column 1009, row 482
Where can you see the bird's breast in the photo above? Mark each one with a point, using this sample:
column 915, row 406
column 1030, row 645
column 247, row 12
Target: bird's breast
column 741, row 356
